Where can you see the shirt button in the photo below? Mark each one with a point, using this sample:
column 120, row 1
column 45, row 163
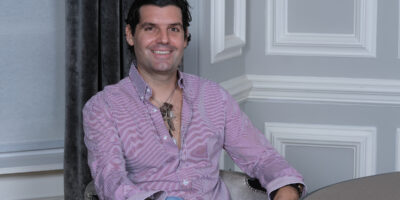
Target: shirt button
column 148, row 90
column 141, row 97
column 154, row 110
column 185, row 182
column 165, row 137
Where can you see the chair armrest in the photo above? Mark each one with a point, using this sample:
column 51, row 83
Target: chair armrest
column 90, row 192
column 241, row 186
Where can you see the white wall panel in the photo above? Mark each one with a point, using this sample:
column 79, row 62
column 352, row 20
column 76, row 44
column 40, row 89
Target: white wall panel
column 227, row 46
column 362, row 140
column 361, row 43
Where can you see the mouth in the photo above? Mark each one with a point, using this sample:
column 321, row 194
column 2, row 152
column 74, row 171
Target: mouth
column 158, row 52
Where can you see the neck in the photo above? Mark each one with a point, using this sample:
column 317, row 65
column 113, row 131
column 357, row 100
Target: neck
column 161, row 84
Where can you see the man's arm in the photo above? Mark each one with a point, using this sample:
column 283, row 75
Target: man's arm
column 105, row 155
column 251, row 151
column 286, row 193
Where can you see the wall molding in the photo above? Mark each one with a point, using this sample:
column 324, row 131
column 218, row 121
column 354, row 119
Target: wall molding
column 31, row 145
column 31, row 161
column 315, row 89
column 227, row 46
column 362, row 140
column 362, row 43
column 239, row 88
column 51, row 198
column 398, row 150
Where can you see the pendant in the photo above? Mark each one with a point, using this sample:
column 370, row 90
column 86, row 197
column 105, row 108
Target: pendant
column 168, row 115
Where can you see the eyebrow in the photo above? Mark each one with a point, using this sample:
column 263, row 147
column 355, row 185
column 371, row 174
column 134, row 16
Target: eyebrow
column 146, row 24
column 152, row 24
column 176, row 24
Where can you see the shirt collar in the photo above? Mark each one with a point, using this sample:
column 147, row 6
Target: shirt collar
column 143, row 89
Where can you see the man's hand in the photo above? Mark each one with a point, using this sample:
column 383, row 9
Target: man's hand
column 286, row 193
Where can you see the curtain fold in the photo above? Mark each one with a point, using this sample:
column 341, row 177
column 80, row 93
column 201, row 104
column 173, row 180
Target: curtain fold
column 97, row 55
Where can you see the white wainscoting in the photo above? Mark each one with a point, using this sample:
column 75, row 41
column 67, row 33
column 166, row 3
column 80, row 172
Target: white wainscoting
column 32, row 174
column 362, row 140
column 361, row 43
column 227, row 46
column 38, row 185
column 315, row 89
column 31, row 161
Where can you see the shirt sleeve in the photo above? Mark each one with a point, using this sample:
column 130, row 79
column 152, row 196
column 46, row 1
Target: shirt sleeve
column 253, row 153
column 105, row 155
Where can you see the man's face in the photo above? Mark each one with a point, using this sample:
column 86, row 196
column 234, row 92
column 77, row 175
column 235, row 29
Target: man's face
column 159, row 39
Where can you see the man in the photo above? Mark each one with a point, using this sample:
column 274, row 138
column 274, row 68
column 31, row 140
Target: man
column 159, row 133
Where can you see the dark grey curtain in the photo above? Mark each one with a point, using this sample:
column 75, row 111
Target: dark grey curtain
column 97, row 55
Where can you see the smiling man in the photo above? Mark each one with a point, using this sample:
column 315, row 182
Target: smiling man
column 159, row 133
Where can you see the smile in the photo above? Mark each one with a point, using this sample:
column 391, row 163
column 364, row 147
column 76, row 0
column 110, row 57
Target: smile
column 162, row 52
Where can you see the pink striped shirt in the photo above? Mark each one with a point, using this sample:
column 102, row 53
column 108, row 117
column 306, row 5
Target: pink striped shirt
column 132, row 156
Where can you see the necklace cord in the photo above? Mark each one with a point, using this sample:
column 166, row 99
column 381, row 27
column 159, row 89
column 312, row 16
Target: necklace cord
column 166, row 111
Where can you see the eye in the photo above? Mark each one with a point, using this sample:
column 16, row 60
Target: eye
column 175, row 29
column 148, row 28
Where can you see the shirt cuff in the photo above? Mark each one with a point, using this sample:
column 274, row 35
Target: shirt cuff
column 283, row 181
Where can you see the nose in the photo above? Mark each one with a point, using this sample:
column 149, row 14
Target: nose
column 163, row 37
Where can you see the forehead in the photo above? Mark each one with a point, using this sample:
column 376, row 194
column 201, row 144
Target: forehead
column 160, row 15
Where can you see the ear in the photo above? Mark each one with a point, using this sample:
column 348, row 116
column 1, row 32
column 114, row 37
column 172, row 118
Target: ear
column 187, row 39
column 129, row 36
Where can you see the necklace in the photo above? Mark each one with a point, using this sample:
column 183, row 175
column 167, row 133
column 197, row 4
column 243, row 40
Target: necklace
column 166, row 111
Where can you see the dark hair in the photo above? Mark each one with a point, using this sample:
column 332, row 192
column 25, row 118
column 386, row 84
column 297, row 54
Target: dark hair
column 134, row 15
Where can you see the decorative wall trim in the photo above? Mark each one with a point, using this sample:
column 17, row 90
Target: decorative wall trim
column 398, row 150
column 362, row 43
column 31, row 145
column 238, row 88
column 51, row 198
column 227, row 46
column 362, row 140
column 31, row 161
column 315, row 89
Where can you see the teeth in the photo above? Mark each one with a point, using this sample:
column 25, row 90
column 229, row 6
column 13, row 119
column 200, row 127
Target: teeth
column 161, row 52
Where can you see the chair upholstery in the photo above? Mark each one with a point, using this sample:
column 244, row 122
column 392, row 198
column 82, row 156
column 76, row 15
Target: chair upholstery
column 377, row 187
column 240, row 187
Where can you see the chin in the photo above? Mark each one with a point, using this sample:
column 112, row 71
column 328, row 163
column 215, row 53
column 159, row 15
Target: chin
column 165, row 68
